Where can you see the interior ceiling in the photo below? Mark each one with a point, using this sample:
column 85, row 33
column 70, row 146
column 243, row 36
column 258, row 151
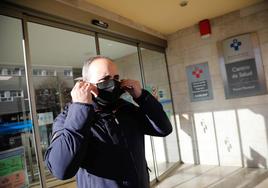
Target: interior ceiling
column 167, row 17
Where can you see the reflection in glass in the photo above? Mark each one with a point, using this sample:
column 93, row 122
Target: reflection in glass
column 126, row 58
column 18, row 164
column 57, row 58
column 156, row 82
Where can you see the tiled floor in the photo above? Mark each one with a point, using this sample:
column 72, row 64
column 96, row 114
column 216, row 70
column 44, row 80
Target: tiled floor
column 162, row 168
column 68, row 185
column 201, row 176
column 190, row 176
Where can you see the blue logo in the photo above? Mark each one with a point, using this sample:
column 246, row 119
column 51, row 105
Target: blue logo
column 236, row 44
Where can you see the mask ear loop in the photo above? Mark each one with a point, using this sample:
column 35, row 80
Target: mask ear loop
column 94, row 92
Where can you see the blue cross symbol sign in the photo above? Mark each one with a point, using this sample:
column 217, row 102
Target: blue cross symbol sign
column 236, row 44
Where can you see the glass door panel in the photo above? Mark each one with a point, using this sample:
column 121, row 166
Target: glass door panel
column 57, row 58
column 126, row 58
column 156, row 82
column 18, row 164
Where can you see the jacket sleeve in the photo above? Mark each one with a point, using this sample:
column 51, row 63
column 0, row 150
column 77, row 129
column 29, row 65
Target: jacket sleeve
column 156, row 122
column 69, row 142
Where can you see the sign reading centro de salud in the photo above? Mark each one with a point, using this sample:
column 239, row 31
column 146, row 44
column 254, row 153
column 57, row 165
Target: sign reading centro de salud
column 242, row 67
column 199, row 82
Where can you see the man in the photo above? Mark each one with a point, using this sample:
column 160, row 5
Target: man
column 100, row 137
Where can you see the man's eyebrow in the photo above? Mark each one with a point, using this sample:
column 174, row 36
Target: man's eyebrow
column 116, row 76
column 105, row 78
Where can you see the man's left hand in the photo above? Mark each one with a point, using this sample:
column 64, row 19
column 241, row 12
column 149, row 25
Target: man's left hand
column 132, row 86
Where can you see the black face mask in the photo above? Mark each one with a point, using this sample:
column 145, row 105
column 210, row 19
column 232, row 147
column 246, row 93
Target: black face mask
column 109, row 92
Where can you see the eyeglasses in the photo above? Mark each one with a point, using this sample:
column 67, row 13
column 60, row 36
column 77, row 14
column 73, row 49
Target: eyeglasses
column 108, row 83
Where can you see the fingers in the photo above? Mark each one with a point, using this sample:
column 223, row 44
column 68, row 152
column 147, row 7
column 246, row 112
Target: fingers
column 126, row 83
column 79, row 84
column 129, row 83
column 76, row 85
column 132, row 86
column 82, row 92
column 85, row 86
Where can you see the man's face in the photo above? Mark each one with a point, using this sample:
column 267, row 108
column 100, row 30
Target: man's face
column 101, row 70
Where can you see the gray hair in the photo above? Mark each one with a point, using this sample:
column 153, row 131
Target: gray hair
column 87, row 64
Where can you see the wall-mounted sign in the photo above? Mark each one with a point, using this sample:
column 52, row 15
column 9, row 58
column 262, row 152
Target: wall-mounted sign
column 199, row 82
column 242, row 67
column 13, row 168
column 45, row 118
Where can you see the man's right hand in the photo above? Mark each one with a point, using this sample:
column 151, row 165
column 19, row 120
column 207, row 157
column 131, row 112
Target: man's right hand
column 81, row 92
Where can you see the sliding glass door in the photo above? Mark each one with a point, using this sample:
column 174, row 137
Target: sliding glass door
column 126, row 58
column 52, row 57
column 57, row 58
column 156, row 81
column 18, row 162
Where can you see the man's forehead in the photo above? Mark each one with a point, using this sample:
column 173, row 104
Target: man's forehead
column 102, row 63
column 101, row 68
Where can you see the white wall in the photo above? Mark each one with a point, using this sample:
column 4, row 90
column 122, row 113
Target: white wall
column 224, row 117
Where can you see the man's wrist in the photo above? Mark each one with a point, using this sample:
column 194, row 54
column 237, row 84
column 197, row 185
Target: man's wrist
column 142, row 97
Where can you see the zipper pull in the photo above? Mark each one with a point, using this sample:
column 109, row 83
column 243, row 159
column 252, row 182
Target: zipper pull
column 116, row 120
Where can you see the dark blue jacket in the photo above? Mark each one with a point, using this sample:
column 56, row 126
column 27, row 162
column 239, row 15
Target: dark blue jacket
column 105, row 149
